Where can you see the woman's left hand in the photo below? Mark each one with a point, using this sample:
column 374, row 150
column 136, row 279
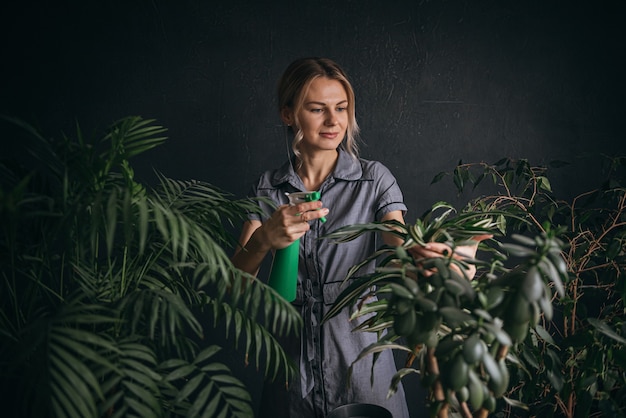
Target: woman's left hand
column 439, row 249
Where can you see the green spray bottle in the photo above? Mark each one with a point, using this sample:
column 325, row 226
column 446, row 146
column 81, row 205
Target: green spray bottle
column 284, row 270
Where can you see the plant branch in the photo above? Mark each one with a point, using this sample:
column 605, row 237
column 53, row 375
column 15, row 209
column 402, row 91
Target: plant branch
column 438, row 393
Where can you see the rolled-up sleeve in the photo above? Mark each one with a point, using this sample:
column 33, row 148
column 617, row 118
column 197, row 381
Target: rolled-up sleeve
column 390, row 196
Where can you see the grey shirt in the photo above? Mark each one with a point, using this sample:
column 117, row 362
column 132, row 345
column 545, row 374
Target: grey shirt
column 357, row 191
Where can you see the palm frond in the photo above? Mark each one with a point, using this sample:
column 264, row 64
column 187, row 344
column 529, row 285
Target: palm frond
column 206, row 387
column 131, row 136
column 244, row 319
column 162, row 314
column 102, row 278
column 70, row 349
column 134, row 387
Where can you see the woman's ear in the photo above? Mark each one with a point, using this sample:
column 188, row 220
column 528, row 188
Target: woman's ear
column 286, row 116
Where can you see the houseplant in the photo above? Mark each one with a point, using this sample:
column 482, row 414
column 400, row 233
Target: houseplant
column 520, row 334
column 576, row 368
column 107, row 284
column 458, row 334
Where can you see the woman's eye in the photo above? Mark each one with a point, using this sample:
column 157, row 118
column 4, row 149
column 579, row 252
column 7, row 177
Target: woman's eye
column 341, row 109
column 316, row 110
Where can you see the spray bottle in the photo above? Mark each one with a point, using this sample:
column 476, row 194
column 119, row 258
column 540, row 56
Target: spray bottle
column 284, row 270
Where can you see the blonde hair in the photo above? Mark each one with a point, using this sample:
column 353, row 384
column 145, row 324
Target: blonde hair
column 295, row 82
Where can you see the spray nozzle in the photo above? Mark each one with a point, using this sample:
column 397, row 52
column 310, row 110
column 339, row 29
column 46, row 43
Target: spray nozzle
column 301, row 197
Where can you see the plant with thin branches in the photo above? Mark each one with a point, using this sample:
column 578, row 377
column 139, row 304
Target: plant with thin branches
column 578, row 367
column 539, row 331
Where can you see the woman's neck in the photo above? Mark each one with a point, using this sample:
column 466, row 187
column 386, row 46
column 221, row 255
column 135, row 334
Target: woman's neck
column 314, row 169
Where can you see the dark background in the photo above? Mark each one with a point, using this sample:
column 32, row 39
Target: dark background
column 436, row 82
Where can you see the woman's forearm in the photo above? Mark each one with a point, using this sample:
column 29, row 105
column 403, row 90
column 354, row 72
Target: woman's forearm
column 250, row 255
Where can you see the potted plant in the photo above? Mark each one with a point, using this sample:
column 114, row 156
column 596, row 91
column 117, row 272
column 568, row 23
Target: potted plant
column 106, row 284
column 458, row 334
column 576, row 367
column 519, row 334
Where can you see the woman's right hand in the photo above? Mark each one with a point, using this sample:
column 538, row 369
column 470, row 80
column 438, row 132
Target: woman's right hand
column 289, row 223
column 285, row 226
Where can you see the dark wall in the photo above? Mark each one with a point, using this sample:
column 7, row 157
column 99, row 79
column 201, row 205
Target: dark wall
column 436, row 81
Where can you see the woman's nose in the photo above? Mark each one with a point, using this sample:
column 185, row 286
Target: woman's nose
column 331, row 119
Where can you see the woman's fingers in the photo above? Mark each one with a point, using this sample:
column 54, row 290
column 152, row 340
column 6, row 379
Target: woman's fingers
column 479, row 238
column 309, row 211
column 313, row 215
column 430, row 250
column 438, row 249
column 289, row 223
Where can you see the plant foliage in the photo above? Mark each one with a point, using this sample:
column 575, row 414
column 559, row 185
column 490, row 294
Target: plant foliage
column 577, row 367
column 459, row 332
column 106, row 284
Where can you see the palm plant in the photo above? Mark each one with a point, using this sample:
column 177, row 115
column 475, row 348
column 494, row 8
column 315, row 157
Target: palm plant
column 107, row 285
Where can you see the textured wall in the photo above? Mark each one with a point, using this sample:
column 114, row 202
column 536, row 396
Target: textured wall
column 437, row 81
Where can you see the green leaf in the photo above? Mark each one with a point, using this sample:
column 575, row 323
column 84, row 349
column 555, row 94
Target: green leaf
column 397, row 378
column 456, row 317
column 458, row 179
column 206, row 354
column 544, row 335
column 605, row 329
column 551, row 272
column 180, row 372
column 75, row 369
column 544, row 183
column 518, row 250
column 353, row 292
column 143, row 224
column 144, row 376
column 515, row 403
column 189, row 387
column 438, row 177
column 111, row 220
column 146, row 396
column 72, row 385
column 380, row 346
column 72, row 340
column 497, row 331
column 141, row 409
column 211, row 408
column 215, row 368
column 61, row 403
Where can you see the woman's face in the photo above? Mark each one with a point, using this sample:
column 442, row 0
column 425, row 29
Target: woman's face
column 324, row 116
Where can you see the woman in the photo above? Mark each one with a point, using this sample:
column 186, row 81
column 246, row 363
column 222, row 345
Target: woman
column 316, row 102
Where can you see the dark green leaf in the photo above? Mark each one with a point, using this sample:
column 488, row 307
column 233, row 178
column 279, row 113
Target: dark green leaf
column 605, row 329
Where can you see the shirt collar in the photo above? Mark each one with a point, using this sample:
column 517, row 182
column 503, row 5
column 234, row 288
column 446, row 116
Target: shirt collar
column 347, row 168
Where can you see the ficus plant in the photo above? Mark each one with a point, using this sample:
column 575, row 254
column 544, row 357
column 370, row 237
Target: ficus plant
column 540, row 329
column 577, row 368
column 458, row 333
column 115, row 295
